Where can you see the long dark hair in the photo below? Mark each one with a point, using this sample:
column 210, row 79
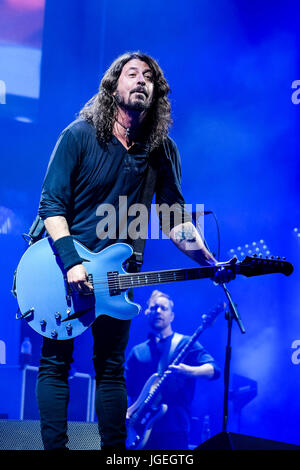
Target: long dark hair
column 101, row 109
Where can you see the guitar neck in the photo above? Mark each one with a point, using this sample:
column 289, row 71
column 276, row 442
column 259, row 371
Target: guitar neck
column 180, row 356
column 250, row 266
column 162, row 277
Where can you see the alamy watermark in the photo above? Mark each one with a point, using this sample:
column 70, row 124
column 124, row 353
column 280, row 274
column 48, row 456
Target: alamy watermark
column 2, row 92
column 295, row 358
column 122, row 221
column 296, row 94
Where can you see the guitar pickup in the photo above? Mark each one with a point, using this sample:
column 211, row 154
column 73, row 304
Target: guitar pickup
column 113, row 283
column 68, row 292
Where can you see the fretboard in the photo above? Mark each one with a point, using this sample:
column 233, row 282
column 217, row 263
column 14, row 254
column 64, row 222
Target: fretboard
column 160, row 277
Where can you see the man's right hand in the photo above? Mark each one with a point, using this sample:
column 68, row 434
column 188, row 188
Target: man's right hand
column 78, row 280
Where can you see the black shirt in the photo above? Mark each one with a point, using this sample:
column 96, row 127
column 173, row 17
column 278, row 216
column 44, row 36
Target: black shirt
column 178, row 390
column 84, row 174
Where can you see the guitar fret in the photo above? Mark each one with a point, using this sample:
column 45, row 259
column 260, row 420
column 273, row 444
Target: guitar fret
column 249, row 267
column 156, row 278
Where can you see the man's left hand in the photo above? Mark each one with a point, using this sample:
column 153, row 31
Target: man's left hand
column 225, row 273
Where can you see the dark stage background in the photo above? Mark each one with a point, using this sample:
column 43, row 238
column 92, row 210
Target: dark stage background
column 233, row 68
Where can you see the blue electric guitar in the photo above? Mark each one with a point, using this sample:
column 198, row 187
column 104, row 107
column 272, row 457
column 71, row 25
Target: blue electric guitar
column 50, row 308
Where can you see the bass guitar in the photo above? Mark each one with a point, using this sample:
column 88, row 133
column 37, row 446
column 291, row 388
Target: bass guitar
column 54, row 311
column 148, row 407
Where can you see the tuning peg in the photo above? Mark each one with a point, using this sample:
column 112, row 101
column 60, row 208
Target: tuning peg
column 277, row 257
column 43, row 324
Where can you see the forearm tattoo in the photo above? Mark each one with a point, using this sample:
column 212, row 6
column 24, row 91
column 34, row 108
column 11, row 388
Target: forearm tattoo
column 185, row 234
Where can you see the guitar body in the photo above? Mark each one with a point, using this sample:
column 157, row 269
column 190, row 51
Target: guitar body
column 139, row 425
column 41, row 286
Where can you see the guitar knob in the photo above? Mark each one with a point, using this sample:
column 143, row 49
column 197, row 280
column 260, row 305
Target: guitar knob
column 69, row 328
column 43, row 324
column 58, row 318
column 53, row 334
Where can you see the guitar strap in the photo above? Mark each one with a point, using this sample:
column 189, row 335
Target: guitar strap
column 36, row 231
column 166, row 357
column 134, row 263
column 175, row 341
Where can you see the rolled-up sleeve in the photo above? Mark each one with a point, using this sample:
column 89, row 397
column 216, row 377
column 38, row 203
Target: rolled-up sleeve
column 56, row 197
column 200, row 356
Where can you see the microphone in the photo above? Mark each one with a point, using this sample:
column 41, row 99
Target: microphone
column 195, row 215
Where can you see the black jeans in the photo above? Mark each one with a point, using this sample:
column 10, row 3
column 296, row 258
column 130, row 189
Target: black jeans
column 110, row 337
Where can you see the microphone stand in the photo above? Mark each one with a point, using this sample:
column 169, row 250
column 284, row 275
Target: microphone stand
column 230, row 315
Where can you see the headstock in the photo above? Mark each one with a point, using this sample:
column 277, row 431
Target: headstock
column 257, row 260
column 209, row 318
column 258, row 265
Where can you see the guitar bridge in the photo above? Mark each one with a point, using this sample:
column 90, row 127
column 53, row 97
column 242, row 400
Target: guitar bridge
column 113, row 283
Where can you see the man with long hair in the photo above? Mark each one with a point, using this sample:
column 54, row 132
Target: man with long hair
column 102, row 155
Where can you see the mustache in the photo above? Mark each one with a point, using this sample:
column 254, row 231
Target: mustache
column 139, row 90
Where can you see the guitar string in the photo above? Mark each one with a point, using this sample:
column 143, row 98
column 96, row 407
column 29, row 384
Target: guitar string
column 139, row 280
column 128, row 277
column 142, row 280
column 106, row 286
column 115, row 285
column 145, row 279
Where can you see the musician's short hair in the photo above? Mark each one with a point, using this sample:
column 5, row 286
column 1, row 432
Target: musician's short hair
column 157, row 293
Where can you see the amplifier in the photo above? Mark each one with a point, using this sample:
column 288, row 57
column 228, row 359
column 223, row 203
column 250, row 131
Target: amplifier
column 18, row 398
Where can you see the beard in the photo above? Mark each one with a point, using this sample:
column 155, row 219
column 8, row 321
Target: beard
column 133, row 104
